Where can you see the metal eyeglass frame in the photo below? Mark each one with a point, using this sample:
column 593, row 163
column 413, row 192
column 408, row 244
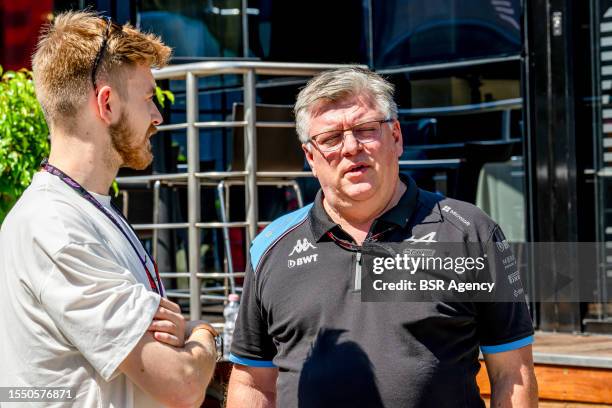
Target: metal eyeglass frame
column 312, row 140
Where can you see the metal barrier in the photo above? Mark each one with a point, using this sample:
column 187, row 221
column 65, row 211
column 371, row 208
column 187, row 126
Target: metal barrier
column 194, row 179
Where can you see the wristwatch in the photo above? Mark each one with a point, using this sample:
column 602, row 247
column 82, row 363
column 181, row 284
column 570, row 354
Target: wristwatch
column 216, row 336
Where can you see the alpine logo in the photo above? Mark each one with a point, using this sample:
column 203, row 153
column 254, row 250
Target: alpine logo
column 429, row 238
column 303, row 246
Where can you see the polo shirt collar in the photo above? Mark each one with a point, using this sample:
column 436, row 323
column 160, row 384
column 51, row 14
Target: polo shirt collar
column 399, row 215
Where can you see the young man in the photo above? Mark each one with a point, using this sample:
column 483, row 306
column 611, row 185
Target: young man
column 83, row 304
column 304, row 338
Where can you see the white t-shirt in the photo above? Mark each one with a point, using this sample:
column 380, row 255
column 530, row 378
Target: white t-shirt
column 75, row 298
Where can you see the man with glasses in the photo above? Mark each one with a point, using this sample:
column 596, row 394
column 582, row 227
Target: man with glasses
column 305, row 338
column 83, row 305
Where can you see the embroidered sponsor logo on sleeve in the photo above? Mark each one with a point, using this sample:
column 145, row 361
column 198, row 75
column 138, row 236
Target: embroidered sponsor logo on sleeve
column 448, row 209
column 300, row 247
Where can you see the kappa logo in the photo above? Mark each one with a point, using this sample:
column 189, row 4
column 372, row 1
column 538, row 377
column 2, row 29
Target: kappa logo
column 429, row 238
column 446, row 208
column 302, row 246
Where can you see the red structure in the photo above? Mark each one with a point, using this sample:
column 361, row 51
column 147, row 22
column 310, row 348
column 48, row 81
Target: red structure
column 20, row 22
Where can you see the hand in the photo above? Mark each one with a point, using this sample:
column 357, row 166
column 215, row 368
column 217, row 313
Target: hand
column 168, row 324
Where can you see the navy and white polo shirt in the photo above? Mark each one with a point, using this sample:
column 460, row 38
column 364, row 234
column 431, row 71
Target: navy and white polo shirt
column 301, row 311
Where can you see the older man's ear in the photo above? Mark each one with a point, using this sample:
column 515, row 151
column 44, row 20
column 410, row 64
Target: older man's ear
column 307, row 148
column 397, row 136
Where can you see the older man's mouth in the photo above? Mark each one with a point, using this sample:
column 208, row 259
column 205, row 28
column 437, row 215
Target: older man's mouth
column 356, row 169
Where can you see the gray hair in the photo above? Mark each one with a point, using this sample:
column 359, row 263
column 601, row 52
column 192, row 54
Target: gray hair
column 338, row 84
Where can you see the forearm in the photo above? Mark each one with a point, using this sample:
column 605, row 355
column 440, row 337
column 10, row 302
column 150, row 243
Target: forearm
column 201, row 348
column 175, row 377
column 242, row 394
column 514, row 394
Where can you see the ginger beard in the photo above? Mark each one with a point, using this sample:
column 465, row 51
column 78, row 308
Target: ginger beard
column 135, row 151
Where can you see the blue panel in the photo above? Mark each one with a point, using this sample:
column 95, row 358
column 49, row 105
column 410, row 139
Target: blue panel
column 274, row 231
column 507, row 346
column 251, row 363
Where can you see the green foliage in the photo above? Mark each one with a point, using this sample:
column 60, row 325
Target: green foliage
column 24, row 136
column 162, row 95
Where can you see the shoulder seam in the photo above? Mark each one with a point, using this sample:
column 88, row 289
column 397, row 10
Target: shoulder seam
column 286, row 221
column 273, row 243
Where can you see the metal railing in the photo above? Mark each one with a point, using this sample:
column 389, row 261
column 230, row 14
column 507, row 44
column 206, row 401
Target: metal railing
column 506, row 106
column 194, row 179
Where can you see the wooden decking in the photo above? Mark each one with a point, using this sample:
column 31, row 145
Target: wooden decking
column 573, row 371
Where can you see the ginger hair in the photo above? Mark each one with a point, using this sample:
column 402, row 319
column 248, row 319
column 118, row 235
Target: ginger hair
column 65, row 55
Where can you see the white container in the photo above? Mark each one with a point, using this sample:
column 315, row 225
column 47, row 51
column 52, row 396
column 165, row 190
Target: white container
column 230, row 313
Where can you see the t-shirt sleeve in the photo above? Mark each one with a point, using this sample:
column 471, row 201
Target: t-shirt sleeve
column 98, row 305
column 252, row 345
column 504, row 324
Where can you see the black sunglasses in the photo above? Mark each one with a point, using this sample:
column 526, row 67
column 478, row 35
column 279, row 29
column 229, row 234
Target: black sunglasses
column 100, row 54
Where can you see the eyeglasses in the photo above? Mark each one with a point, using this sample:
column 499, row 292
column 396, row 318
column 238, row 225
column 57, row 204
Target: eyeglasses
column 333, row 140
column 100, row 54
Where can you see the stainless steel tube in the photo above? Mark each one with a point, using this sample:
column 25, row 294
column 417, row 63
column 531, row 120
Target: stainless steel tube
column 156, row 188
column 250, row 153
column 193, row 194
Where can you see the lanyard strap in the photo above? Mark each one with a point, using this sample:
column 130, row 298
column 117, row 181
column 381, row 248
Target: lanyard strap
column 352, row 246
column 86, row 195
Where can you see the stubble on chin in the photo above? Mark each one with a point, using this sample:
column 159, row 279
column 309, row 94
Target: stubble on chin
column 128, row 146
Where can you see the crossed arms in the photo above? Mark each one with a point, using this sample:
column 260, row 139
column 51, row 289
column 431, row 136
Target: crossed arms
column 174, row 360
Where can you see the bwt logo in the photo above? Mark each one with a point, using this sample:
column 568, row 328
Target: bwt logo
column 303, row 246
column 302, row 261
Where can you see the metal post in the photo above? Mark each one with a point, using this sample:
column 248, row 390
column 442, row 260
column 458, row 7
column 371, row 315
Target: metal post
column 193, row 194
column 226, row 238
column 298, row 193
column 125, row 201
column 156, row 188
column 250, row 155
column 245, row 29
column 506, row 123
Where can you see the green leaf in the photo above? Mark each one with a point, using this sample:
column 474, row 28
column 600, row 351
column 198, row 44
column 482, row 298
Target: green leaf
column 161, row 96
column 115, row 188
column 23, row 135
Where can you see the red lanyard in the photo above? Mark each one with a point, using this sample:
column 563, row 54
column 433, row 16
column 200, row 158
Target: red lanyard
column 158, row 288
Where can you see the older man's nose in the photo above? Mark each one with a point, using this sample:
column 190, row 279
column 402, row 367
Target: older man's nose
column 351, row 145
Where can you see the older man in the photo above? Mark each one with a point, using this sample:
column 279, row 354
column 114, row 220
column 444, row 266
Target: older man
column 83, row 306
column 304, row 338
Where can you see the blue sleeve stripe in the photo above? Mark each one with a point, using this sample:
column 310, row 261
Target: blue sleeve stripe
column 251, row 363
column 513, row 345
column 274, row 231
